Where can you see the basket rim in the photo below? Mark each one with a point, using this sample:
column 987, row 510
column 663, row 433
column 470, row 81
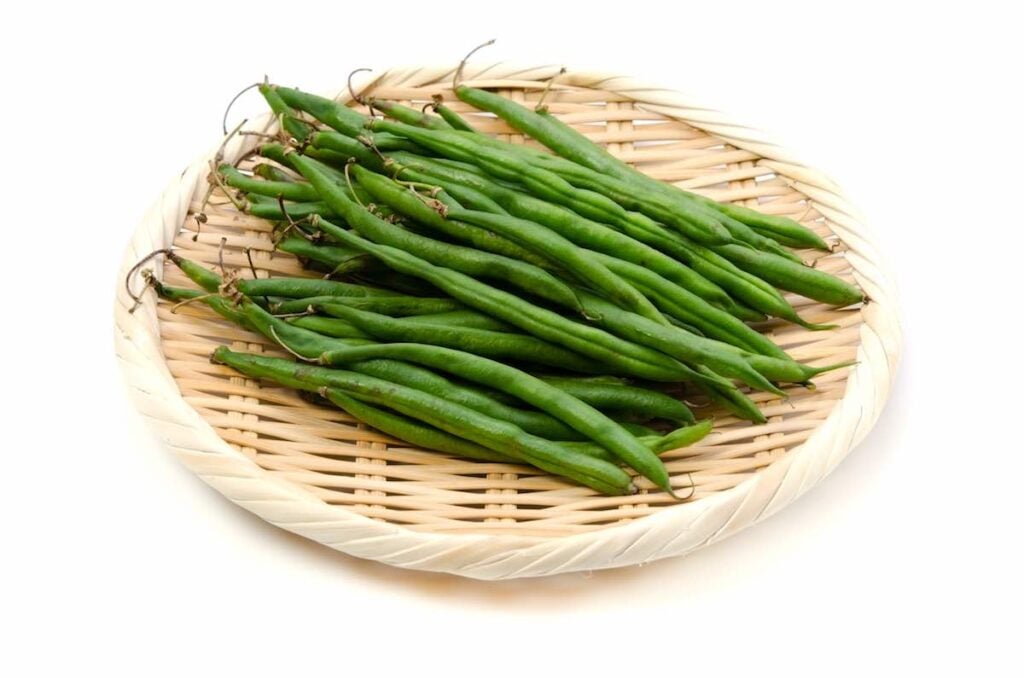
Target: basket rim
column 672, row 530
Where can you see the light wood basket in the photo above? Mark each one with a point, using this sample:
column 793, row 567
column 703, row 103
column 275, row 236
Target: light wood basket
column 316, row 472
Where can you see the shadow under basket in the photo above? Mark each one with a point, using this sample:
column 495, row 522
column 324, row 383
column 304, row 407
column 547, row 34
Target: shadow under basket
column 315, row 471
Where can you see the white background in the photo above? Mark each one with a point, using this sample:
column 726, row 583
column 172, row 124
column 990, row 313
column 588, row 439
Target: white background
column 119, row 562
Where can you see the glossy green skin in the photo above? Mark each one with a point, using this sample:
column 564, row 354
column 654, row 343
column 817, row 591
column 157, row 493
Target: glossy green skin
column 398, row 305
column 454, row 120
column 577, row 414
column 410, row 116
column 298, row 129
column 467, row 195
column 403, row 201
column 809, row 282
column 329, row 327
column 494, row 345
column 582, row 231
column 627, row 401
column 468, row 261
column 289, row 190
column 348, row 147
column 681, row 437
column 781, row 229
column 494, row 434
column 272, row 210
column 329, row 255
column 467, row 318
column 560, row 251
column 575, row 147
column 609, row 350
column 411, row 431
column 615, row 197
column 271, row 173
column 300, row 288
column 680, row 303
column 341, row 118
column 678, row 343
column 538, row 423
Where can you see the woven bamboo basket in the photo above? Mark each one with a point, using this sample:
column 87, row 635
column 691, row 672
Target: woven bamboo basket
column 316, row 472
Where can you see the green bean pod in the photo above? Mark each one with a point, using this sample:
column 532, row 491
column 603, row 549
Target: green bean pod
column 331, row 256
column 627, row 401
column 577, row 148
column 680, row 303
column 492, row 433
column 272, row 173
column 678, row 343
column 562, row 252
column 409, row 116
column 537, row 423
column 678, row 439
column 398, row 305
column 467, row 260
column 809, row 282
column 412, row 431
column 783, row 230
column 467, row 318
column 289, row 190
column 493, row 345
column 582, row 231
column 612, row 351
column 612, row 196
column 575, row 413
column 414, row 206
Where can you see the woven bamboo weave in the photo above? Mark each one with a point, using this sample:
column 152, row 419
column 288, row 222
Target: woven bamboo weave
column 316, row 472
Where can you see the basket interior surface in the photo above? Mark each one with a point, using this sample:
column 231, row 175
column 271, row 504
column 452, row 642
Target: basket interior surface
column 344, row 463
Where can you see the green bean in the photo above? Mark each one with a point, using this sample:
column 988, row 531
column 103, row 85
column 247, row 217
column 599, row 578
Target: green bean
column 582, row 231
column 687, row 307
column 577, row 148
column 271, row 210
column 327, row 111
column 398, row 305
column 492, row 433
column 626, row 401
column 467, row 195
column 216, row 302
column 469, row 261
column 467, row 318
column 329, row 327
column 731, row 398
column 412, row 205
column 781, row 229
column 678, row 343
column 272, row 173
column 283, row 112
column 809, row 282
column 347, row 148
column 560, row 251
column 454, row 120
column 330, row 255
column 568, row 409
column 409, row 116
column 289, row 190
column 677, row 439
column 494, row 345
column 537, row 423
column 614, row 352
column 298, row 288
column 411, row 431
column 614, row 197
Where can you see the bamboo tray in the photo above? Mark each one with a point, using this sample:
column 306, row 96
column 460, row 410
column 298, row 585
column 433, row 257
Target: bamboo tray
column 315, row 472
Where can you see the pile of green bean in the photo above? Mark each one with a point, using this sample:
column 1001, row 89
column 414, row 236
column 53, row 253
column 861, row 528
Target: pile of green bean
column 498, row 302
